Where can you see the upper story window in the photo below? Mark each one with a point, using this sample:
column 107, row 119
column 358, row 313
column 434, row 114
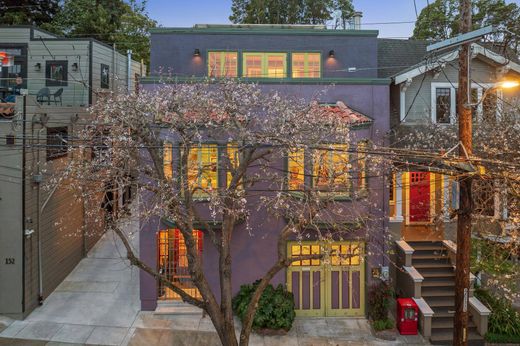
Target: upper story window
column 265, row 65
column 444, row 102
column 56, row 73
column 295, row 168
column 306, row 65
column 168, row 160
column 234, row 161
column 222, row 64
column 202, row 170
column 330, row 168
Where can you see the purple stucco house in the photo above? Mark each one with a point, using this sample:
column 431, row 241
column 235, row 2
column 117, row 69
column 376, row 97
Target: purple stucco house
column 295, row 60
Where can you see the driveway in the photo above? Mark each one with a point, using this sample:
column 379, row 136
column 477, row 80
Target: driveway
column 96, row 304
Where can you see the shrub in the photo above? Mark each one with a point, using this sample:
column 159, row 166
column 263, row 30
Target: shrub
column 502, row 339
column 275, row 307
column 383, row 324
column 379, row 301
column 504, row 320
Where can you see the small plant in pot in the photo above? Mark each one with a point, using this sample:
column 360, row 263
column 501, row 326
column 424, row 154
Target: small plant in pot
column 275, row 314
column 379, row 299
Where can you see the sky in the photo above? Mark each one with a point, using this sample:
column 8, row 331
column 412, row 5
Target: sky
column 185, row 13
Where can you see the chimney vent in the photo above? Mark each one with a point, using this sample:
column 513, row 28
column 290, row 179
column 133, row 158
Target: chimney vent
column 356, row 20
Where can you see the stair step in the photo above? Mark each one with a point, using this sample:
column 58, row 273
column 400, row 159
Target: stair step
column 432, row 265
column 445, row 337
column 438, row 282
column 437, row 292
column 433, row 256
column 427, row 247
column 447, row 322
column 443, row 311
column 448, row 302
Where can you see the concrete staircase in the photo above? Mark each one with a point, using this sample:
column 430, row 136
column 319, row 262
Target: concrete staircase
column 432, row 261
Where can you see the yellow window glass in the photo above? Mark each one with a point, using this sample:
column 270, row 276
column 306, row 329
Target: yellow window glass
column 330, row 168
column 362, row 165
column 202, row 168
column 222, row 64
column 167, row 160
column 253, row 65
column 306, row 65
column 295, row 162
column 302, row 250
column 295, row 252
column 345, row 254
column 275, row 66
column 232, row 154
column 265, row 65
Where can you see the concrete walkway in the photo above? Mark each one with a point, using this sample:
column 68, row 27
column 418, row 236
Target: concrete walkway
column 96, row 304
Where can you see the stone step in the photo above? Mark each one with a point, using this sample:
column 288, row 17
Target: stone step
column 437, row 274
column 447, row 322
column 443, row 311
column 418, row 246
column 429, row 255
column 433, row 264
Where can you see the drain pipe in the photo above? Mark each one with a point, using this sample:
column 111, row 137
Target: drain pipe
column 129, row 70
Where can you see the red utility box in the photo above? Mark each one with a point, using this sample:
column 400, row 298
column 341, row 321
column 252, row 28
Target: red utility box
column 407, row 316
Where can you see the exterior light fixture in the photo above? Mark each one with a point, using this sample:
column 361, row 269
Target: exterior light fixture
column 38, row 67
column 508, row 84
column 331, row 53
column 75, row 67
column 196, row 52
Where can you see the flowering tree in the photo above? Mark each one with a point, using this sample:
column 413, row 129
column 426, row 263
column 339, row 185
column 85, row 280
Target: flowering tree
column 143, row 136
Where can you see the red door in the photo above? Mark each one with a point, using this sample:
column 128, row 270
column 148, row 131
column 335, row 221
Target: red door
column 419, row 196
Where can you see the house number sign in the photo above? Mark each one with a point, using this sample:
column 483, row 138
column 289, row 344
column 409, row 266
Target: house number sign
column 9, row 260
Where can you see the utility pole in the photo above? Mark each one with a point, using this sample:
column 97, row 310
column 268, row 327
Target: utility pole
column 460, row 327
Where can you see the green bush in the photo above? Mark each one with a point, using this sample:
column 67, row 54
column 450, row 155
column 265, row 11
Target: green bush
column 503, row 320
column 502, row 339
column 383, row 324
column 275, row 308
column 379, row 299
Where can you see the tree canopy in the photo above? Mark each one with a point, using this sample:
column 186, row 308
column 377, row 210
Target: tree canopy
column 440, row 20
column 291, row 12
column 28, row 12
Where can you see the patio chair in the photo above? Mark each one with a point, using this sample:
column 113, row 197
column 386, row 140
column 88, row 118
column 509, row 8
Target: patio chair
column 43, row 93
column 57, row 95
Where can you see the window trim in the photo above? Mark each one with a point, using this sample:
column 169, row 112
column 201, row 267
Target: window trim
column 264, row 65
column 453, row 100
column 222, row 52
column 306, row 64
column 54, row 153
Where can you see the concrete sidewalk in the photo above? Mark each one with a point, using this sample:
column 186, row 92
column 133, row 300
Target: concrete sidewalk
column 96, row 304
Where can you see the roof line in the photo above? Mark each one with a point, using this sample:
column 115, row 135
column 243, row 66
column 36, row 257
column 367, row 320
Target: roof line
column 264, row 31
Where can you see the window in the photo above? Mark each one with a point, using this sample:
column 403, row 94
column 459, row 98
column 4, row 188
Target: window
column 265, row 65
column 173, row 262
column 345, row 254
column 232, row 154
column 56, row 73
column 392, row 189
column 443, row 105
column 57, row 142
column 302, row 250
column 222, row 64
column 105, row 76
column 362, row 165
column 306, row 65
column 330, row 168
column 489, row 105
column 167, row 160
column 295, row 168
column 202, row 169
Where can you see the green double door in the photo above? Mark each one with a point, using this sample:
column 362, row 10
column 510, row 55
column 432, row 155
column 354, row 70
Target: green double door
column 331, row 286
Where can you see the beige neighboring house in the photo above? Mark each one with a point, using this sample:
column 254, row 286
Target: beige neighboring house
column 46, row 84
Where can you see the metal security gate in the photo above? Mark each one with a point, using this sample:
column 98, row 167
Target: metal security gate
column 332, row 286
column 173, row 263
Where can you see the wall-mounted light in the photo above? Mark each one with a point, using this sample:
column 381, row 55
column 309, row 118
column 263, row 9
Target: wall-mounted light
column 196, row 52
column 75, row 67
column 38, row 67
column 331, row 53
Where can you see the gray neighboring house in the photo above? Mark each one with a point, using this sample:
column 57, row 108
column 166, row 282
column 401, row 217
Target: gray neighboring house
column 46, row 85
column 420, row 201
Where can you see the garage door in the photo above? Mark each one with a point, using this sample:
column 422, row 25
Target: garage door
column 331, row 286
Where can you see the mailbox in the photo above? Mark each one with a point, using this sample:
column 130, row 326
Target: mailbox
column 407, row 316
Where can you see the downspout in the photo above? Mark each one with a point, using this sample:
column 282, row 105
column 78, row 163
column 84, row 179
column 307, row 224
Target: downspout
column 24, row 116
column 114, row 68
column 129, row 70
column 38, row 229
